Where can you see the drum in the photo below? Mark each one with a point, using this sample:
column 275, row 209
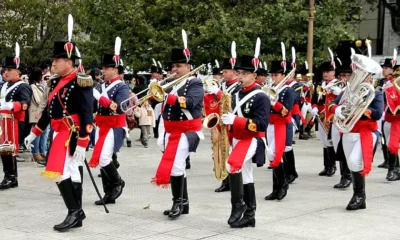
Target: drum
column 7, row 137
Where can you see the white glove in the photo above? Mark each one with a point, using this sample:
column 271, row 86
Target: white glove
column 212, row 89
column 338, row 112
column 336, row 90
column 96, row 94
column 28, row 140
column 314, row 111
column 228, row 118
column 79, row 155
column 7, row 106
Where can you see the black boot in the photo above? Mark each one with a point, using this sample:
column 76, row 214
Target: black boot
column 78, row 194
column 282, row 185
column 291, row 173
column 238, row 205
column 188, row 166
column 75, row 212
column 115, row 160
column 115, row 181
column 177, row 185
column 301, row 133
column 345, row 179
column 326, row 163
column 331, row 169
column 272, row 196
column 106, row 188
column 385, row 164
column 224, row 186
column 358, row 199
column 392, row 174
column 185, row 201
column 10, row 172
column 128, row 143
column 248, row 219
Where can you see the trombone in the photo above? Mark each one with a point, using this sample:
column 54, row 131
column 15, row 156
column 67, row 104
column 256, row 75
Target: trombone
column 157, row 91
column 273, row 91
column 160, row 83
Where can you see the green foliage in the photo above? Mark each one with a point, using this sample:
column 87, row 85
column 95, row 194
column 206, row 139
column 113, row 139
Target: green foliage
column 150, row 28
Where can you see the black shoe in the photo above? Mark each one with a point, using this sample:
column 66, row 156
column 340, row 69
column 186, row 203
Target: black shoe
column 290, row 166
column 323, row 172
column 116, row 184
column 42, row 162
column 331, row 171
column 249, row 197
column 326, row 163
column 384, row 165
column 185, row 201
column 385, row 152
column 224, row 186
column 9, row 181
column 392, row 174
column 331, row 166
column 128, row 143
column 282, row 192
column 345, row 182
column 303, row 137
column 272, row 196
column 238, row 205
column 177, row 187
column 282, row 186
column 358, row 199
column 106, row 188
column 75, row 212
column 188, row 165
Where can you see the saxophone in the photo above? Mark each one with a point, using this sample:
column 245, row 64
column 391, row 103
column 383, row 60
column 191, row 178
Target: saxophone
column 219, row 136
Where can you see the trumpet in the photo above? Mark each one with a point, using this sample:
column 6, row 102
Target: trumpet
column 273, row 91
column 338, row 83
column 157, row 91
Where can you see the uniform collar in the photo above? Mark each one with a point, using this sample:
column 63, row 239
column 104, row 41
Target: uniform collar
column 328, row 81
column 114, row 79
column 258, row 82
column 247, row 89
column 290, row 81
column 231, row 81
column 15, row 80
column 70, row 73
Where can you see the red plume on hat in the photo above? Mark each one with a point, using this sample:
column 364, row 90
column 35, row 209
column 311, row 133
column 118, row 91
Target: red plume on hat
column 232, row 60
column 186, row 51
column 68, row 47
column 283, row 49
column 16, row 58
column 117, row 49
column 255, row 61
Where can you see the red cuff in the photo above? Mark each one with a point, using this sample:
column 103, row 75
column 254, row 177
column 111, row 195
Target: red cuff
column 332, row 108
column 104, row 102
column 277, row 107
column 16, row 106
column 314, row 106
column 37, row 131
column 83, row 142
column 240, row 123
column 171, row 99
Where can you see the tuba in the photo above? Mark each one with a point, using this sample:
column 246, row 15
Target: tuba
column 358, row 94
column 219, row 132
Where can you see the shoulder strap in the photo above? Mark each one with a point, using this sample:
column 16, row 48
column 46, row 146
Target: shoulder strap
column 245, row 99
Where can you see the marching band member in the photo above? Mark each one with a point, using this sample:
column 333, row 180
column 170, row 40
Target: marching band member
column 280, row 133
column 216, row 71
column 69, row 111
column 14, row 101
column 321, row 99
column 305, row 100
column 249, row 121
column 387, row 72
column 182, row 112
column 262, row 73
column 358, row 144
column 110, row 121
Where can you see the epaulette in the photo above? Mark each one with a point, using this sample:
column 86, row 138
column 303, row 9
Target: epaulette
column 84, row 80
column 52, row 77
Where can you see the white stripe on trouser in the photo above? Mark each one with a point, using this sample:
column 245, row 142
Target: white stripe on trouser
column 247, row 168
column 71, row 168
column 353, row 152
column 108, row 148
column 323, row 137
column 161, row 132
column 271, row 142
column 386, row 130
column 335, row 134
column 179, row 167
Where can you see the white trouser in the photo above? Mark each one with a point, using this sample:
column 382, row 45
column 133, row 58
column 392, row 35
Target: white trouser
column 271, row 142
column 386, row 130
column 247, row 168
column 323, row 137
column 306, row 108
column 161, row 132
column 71, row 168
column 108, row 148
column 335, row 134
column 179, row 167
column 353, row 152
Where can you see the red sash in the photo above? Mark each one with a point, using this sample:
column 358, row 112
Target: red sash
column 394, row 137
column 365, row 128
column 175, row 129
column 105, row 123
column 63, row 81
column 59, row 147
column 279, row 123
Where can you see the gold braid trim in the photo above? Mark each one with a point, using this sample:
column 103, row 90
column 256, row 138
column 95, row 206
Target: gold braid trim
column 51, row 175
column 84, row 80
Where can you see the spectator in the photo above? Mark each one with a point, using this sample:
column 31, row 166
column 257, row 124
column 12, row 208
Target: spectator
column 145, row 114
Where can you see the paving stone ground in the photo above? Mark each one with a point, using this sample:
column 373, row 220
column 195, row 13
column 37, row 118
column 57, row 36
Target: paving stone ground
column 311, row 210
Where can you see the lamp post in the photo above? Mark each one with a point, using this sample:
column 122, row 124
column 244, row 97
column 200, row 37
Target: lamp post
column 310, row 42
